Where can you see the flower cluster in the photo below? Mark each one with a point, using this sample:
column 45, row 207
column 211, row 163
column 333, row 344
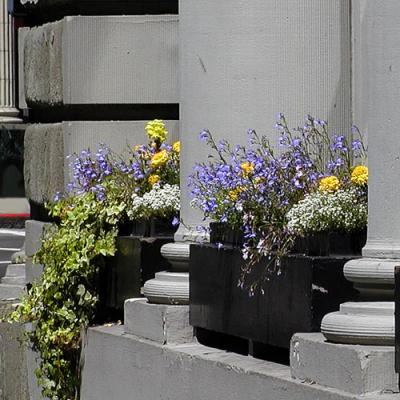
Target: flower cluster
column 156, row 131
column 160, row 201
column 105, row 174
column 344, row 210
column 254, row 188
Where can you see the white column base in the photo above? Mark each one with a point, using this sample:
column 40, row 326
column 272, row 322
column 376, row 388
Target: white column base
column 9, row 115
column 168, row 288
column 178, row 255
column 370, row 323
column 373, row 277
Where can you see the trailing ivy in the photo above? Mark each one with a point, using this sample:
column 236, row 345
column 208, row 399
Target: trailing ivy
column 63, row 303
column 103, row 192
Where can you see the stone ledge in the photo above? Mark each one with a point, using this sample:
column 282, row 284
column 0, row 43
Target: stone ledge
column 110, row 66
column 353, row 368
column 158, row 322
column 142, row 369
column 46, row 169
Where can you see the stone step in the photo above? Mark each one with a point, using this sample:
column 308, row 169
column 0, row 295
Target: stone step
column 360, row 370
column 158, row 322
column 11, row 292
column 14, row 280
column 144, row 369
column 15, row 270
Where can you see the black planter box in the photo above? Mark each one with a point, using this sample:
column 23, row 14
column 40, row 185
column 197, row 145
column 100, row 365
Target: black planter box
column 331, row 244
column 295, row 301
column 155, row 227
column 397, row 319
column 121, row 277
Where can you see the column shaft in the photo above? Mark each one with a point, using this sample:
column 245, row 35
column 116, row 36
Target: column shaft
column 243, row 61
column 8, row 112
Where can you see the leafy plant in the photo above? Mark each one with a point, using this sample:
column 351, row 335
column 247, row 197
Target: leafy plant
column 63, row 303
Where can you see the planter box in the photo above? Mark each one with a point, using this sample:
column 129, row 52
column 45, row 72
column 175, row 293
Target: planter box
column 295, row 301
column 121, row 277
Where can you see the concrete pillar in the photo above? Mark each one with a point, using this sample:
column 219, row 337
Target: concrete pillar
column 373, row 274
column 8, row 112
column 243, row 61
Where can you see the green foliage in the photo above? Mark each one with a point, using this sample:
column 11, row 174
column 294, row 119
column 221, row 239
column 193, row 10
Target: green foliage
column 63, row 302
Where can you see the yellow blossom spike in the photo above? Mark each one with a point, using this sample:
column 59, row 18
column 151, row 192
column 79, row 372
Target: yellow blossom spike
column 156, row 131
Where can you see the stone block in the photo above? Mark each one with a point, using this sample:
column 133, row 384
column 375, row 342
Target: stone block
column 34, row 272
column 351, row 368
column 13, row 380
column 103, row 60
column 158, row 322
column 42, row 63
column 121, row 366
column 46, row 169
column 11, row 292
column 34, row 235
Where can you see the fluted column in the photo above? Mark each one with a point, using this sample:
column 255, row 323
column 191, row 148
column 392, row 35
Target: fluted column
column 261, row 58
column 8, row 111
column 373, row 322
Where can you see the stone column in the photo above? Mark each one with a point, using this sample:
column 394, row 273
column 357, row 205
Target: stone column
column 242, row 62
column 8, row 112
column 373, row 274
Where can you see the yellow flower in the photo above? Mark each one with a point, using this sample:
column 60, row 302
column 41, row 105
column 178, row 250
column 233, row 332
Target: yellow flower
column 359, row 176
column 177, row 147
column 137, row 147
column 159, row 159
column 247, row 168
column 329, row 184
column 156, row 130
column 153, row 179
column 234, row 193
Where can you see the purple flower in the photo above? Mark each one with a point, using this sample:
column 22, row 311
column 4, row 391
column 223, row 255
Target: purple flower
column 204, row 135
column 175, row 221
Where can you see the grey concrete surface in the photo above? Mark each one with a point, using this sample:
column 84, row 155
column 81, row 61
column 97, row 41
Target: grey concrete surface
column 13, row 371
column 353, row 368
column 381, row 100
column 103, row 60
column 242, row 62
column 43, row 80
column 43, row 161
column 120, row 366
column 46, row 169
column 34, row 234
column 158, row 322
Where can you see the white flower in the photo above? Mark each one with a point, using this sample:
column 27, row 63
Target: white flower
column 160, row 201
column 344, row 210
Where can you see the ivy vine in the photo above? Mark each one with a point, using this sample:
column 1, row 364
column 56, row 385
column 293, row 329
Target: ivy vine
column 63, row 302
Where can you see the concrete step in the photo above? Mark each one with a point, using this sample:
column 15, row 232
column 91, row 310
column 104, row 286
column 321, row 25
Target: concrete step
column 11, row 292
column 15, row 270
column 14, row 280
column 145, row 369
